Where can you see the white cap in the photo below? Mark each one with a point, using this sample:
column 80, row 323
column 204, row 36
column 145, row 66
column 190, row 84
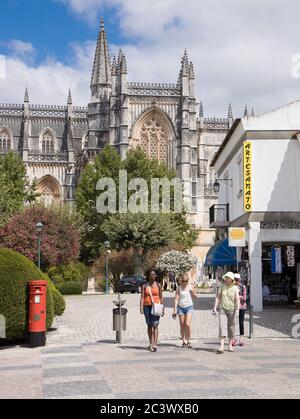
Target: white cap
column 229, row 275
column 237, row 276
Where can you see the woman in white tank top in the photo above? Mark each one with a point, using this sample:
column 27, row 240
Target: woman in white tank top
column 183, row 307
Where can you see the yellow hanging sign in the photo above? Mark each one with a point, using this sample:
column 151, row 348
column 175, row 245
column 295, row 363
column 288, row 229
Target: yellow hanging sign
column 247, row 176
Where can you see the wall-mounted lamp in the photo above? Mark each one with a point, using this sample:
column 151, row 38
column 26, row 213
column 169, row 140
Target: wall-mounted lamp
column 216, row 185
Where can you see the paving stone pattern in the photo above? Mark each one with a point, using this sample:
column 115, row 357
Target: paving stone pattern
column 81, row 359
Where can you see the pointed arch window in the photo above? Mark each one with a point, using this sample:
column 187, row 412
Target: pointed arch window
column 154, row 139
column 5, row 142
column 48, row 143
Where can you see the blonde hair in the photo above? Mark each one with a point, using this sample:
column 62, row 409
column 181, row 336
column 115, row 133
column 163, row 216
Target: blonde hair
column 183, row 276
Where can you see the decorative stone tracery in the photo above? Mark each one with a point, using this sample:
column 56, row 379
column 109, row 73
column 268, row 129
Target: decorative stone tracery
column 48, row 143
column 49, row 190
column 5, row 141
column 153, row 135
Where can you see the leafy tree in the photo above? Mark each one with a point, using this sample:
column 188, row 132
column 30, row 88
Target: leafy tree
column 60, row 239
column 176, row 262
column 106, row 164
column 120, row 262
column 15, row 189
column 140, row 232
column 148, row 231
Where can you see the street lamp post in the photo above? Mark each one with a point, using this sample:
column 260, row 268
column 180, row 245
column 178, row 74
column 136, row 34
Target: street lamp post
column 107, row 246
column 39, row 227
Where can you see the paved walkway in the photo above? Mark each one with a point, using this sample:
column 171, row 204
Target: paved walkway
column 82, row 361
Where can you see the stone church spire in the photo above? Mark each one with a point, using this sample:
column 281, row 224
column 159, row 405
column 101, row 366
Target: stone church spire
column 101, row 76
column 26, row 96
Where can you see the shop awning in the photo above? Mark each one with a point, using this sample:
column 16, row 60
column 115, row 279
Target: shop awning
column 221, row 254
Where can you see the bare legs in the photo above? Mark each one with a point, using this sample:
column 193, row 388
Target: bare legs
column 182, row 328
column 150, row 334
column 153, row 335
column 185, row 328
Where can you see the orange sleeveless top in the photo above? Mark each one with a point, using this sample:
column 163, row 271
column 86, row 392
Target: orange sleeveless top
column 155, row 295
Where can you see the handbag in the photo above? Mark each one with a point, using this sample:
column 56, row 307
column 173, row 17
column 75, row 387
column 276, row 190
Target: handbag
column 157, row 309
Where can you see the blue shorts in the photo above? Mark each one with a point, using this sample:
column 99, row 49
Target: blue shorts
column 183, row 311
column 152, row 321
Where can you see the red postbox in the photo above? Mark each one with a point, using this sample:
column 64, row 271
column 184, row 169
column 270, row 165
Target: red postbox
column 37, row 313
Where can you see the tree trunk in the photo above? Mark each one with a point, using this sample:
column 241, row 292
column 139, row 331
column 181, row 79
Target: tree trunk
column 139, row 260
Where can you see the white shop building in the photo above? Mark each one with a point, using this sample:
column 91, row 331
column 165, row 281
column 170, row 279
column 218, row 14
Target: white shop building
column 258, row 171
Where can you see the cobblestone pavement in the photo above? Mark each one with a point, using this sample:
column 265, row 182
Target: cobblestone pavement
column 81, row 359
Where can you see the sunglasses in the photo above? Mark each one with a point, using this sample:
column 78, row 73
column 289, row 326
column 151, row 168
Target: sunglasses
column 185, row 282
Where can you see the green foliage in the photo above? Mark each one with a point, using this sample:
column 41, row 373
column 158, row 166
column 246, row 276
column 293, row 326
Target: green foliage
column 15, row 189
column 72, row 272
column 140, row 232
column 147, row 231
column 121, row 262
column 58, row 302
column 15, row 272
column 185, row 234
column 70, row 288
column 107, row 164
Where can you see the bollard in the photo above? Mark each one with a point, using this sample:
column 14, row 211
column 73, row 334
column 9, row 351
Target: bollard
column 119, row 319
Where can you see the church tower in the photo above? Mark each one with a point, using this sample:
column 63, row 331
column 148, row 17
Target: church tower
column 101, row 89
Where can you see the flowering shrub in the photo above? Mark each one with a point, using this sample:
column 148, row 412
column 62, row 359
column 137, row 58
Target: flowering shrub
column 176, row 262
column 60, row 242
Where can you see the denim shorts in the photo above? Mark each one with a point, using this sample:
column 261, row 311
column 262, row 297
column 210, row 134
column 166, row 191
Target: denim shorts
column 152, row 321
column 183, row 311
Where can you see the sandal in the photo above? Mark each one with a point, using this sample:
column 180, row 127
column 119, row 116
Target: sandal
column 155, row 348
column 183, row 344
column 189, row 345
column 151, row 348
column 220, row 351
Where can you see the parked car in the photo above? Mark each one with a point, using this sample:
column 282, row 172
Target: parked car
column 131, row 284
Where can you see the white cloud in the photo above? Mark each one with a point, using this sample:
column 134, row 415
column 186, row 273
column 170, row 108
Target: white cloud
column 48, row 83
column 242, row 51
column 20, row 48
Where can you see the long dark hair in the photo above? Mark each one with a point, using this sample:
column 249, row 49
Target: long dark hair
column 148, row 273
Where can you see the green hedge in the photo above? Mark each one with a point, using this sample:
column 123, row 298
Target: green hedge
column 72, row 272
column 58, row 302
column 15, row 272
column 70, row 288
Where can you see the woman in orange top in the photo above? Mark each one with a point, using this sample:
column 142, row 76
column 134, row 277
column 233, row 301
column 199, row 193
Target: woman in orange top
column 146, row 308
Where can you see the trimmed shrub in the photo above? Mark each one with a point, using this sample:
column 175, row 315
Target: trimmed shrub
column 15, row 272
column 72, row 272
column 70, row 288
column 58, row 302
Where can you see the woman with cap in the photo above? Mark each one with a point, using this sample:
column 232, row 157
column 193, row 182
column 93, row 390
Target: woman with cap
column 243, row 307
column 227, row 306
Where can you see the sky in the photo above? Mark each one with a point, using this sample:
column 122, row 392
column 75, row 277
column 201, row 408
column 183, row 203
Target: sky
column 244, row 52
